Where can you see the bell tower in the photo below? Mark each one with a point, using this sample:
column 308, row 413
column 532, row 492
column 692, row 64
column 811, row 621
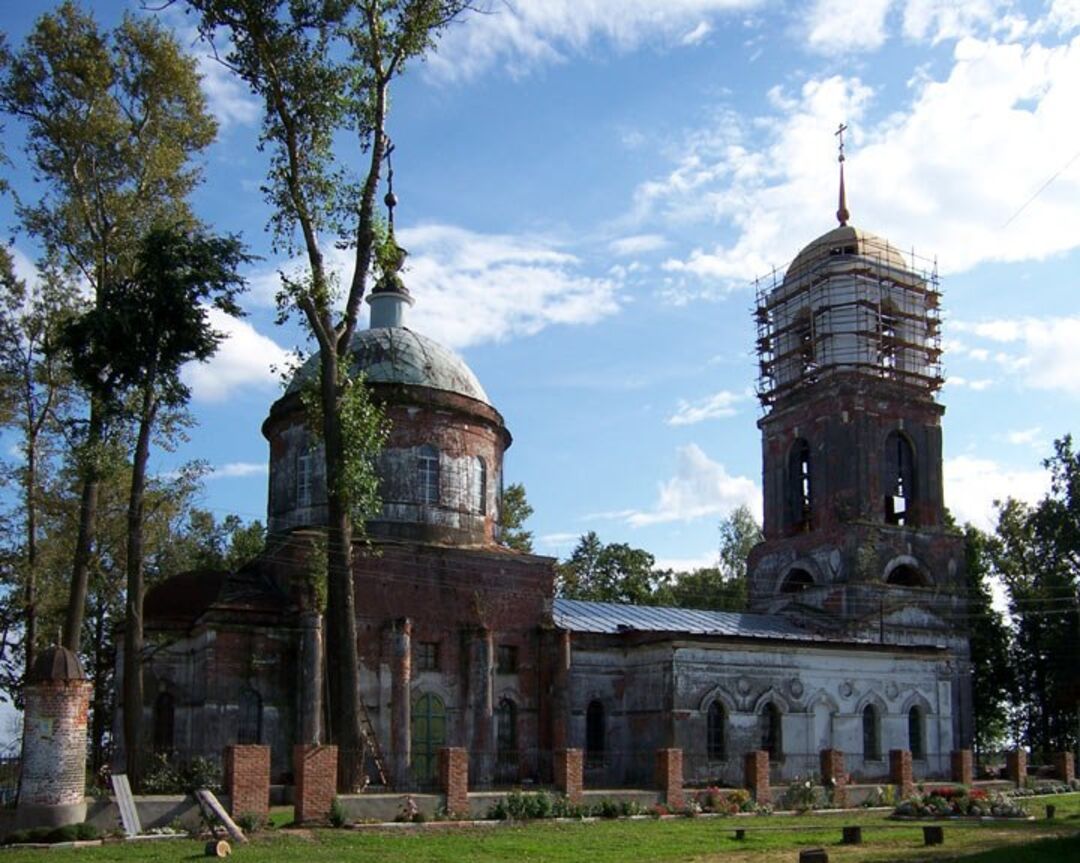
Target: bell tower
column 854, row 519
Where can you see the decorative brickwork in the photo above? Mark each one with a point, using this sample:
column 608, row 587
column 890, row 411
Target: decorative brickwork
column 757, row 775
column 963, row 766
column 454, row 778
column 315, row 768
column 568, row 773
column 1065, row 766
column 900, row 772
column 247, row 780
column 833, row 776
column 1016, row 766
column 669, row 776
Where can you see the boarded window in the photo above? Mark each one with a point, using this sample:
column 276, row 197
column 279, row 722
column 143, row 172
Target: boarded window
column 164, row 722
column 771, row 740
column 249, row 728
column 478, row 486
column 507, row 659
column 305, row 469
column 428, row 736
column 916, row 735
column 506, row 744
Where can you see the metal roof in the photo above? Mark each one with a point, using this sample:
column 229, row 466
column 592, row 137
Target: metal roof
column 612, row 617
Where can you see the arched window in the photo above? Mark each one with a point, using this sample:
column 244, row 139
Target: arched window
column 428, row 736
column 249, row 729
column 916, row 733
column 796, row 581
column 906, row 576
column 594, row 734
column 164, row 722
column 799, row 490
column 871, row 733
column 506, row 746
column 429, row 474
column 771, row 740
column 899, row 478
column 479, row 486
column 716, row 732
column 305, row 472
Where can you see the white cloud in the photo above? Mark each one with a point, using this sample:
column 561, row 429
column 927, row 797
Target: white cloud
column 944, row 174
column 705, row 560
column 1043, row 352
column 227, row 97
column 1022, row 437
column 840, row 25
column 716, row 406
column 697, row 35
column 637, row 244
column 1065, row 15
column 701, row 487
column 245, row 358
column 527, row 34
column 235, row 469
column 938, row 20
column 973, row 484
column 558, row 542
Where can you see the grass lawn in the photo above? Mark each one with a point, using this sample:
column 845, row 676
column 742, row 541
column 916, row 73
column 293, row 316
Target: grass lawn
column 770, row 839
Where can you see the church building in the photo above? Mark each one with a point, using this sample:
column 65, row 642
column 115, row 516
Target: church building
column 854, row 640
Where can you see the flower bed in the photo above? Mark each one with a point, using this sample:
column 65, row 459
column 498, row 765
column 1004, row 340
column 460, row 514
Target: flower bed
column 958, row 802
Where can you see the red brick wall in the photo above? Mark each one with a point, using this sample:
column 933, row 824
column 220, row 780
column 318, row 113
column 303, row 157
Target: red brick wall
column 569, row 772
column 756, row 773
column 315, row 768
column 54, row 748
column 454, row 778
column 963, row 766
column 834, row 776
column 900, row 772
column 247, row 780
column 669, row 776
column 1065, row 766
column 1016, row 766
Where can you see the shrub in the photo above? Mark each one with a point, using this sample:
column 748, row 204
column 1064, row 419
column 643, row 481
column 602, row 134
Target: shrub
column 17, row 837
column 607, row 809
column 562, row 807
column 802, row 795
column 249, row 822
column 337, row 813
column 66, row 833
column 164, row 776
column 87, row 831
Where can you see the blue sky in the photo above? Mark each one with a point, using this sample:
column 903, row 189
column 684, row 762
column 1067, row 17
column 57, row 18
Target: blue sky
column 588, row 188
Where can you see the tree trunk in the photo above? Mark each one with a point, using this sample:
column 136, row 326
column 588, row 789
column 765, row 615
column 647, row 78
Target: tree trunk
column 31, row 552
column 103, row 660
column 343, row 658
column 133, row 624
column 80, row 568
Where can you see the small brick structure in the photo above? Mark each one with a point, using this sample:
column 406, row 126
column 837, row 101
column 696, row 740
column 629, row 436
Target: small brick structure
column 900, row 773
column 52, row 790
column 569, row 772
column 1064, row 766
column 756, row 775
column 1016, row 766
column 315, row 770
column 834, row 776
column 963, row 766
column 669, row 776
column 247, row 780
column 454, row 778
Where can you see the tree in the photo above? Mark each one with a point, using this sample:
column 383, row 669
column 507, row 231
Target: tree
column 133, row 344
column 112, row 121
column 722, row 587
column 514, row 513
column 324, row 69
column 35, row 394
column 607, row 573
column 993, row 680
column 1036, row 554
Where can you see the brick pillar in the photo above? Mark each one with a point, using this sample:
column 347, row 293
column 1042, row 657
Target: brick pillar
column 315, row 769
column 756, row 773
column 963, row 766
column 1016, row 766
column 401, row 702
column 669, row 776
column 569, row 772
column 247, row 780
column 900, row 772
column 1065, row 766
column 834, row 776
column 454, row 778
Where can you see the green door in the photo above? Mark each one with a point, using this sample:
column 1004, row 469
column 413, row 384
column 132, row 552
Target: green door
column 428, row 736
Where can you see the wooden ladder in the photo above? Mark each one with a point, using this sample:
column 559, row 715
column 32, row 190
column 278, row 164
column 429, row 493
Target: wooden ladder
column 371, row 740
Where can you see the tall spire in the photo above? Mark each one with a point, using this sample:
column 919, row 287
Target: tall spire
column 842, row 214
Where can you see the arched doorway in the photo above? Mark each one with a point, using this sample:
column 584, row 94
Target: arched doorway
column 428, row 736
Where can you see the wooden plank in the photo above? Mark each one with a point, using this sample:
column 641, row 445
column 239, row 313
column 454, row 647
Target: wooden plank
column 129, row 815
column 207, row 797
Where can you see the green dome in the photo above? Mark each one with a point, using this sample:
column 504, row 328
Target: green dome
column 397, row 355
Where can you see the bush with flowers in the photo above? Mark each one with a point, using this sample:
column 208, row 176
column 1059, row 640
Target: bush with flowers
column 953, row 801
column 719, row 802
